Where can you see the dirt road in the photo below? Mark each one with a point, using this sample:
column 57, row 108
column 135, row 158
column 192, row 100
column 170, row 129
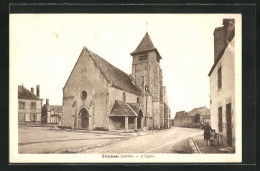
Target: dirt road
column 44, row 140
column 165, row 141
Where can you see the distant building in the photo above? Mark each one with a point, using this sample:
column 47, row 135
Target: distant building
column 29, row 106
column 180, row 119
column 200, row 115
column 98, row 95
column 52, row 114
column 194, row 118
column 222, row 83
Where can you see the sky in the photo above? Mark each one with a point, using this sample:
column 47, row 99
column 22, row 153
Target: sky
column 45, row 47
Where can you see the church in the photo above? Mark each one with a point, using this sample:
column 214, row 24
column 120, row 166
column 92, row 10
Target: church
column 99, row 96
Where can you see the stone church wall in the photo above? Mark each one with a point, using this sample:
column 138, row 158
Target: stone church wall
column 154, row 86
column 161, row 115
column 85, row 76
column 68, row 115
column 156, row 115
column 166, row 116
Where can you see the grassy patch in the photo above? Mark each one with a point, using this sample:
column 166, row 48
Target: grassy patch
column 182, row 147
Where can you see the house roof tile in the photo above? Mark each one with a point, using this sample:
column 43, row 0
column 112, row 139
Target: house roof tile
column 24, row 93
column 121, row 108
column 56, row 108
column 200, row 110
column 115, row 76
column 221, row 53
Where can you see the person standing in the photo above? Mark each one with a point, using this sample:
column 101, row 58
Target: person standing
column 207, row 132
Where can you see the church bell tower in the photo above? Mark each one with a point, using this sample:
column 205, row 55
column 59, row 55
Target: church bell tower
column 146, row 71
column 147, row 75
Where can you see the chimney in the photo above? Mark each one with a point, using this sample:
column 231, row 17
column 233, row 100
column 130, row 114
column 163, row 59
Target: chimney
column 221, row 35
column 229, row 25
column 32, row 90
column 47, row 102
column 228, row 22
column 38, row 90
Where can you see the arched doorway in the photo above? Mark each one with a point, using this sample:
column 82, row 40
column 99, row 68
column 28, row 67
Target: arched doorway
column 139, row 119
column 84, row 117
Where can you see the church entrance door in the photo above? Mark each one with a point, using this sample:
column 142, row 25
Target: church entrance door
column 84, row 118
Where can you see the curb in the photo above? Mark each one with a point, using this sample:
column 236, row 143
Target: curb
column 194, row 146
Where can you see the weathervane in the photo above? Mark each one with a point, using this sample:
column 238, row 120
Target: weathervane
column 147, row 27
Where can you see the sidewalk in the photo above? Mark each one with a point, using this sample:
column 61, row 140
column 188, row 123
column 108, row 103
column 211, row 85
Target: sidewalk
column 201, row 144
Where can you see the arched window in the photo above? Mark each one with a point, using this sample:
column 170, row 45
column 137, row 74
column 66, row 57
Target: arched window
column 124, row 96
column 146, row 88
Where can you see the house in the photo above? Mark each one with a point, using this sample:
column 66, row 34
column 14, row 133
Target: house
column 200, row 115
column 29, row 106
column 52, row 114
column 179, row 119
column 98, row 95
column 195, row 118
column 222, row 83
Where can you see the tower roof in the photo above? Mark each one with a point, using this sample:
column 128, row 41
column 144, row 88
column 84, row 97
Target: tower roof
column 145, row 45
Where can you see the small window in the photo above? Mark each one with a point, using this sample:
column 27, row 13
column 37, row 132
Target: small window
column 219, row 78
column 146, row 88
column 220, row 119
column 124, row 97
column 137, row 100
column 34, row 117
column 83, row 95
column 21, row 105
column 33, row 105
column 21, row 117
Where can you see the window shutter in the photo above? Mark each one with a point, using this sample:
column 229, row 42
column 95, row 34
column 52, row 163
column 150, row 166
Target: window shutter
column 220, row 124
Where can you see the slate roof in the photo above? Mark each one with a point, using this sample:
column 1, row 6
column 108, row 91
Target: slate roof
column 121, row 108
column 115, row 76
column 56, row 108
column 200, row 110
column 24, row 93
column 146, row 44
column 134, row 106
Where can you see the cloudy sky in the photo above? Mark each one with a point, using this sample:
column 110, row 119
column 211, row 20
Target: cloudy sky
column 45, row 47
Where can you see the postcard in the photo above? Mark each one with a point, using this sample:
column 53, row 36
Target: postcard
column 125, row 88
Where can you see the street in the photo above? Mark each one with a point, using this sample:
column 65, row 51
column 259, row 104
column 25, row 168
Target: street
column 47, row 140
column 171, row 140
